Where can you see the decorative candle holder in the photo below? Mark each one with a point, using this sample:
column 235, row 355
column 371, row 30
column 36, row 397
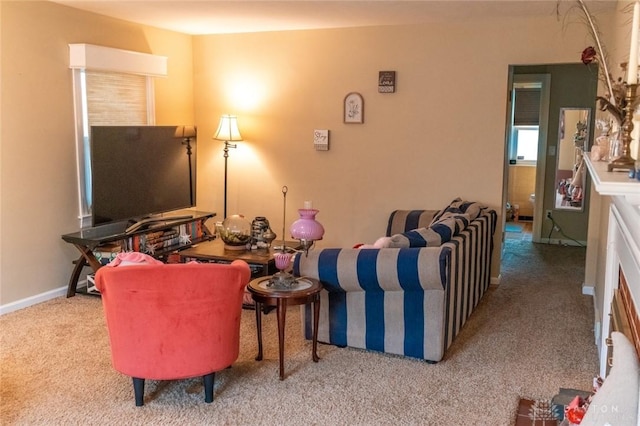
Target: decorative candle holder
column 624, row 161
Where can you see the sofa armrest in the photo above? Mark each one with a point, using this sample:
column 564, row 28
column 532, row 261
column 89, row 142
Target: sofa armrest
column 388, row 269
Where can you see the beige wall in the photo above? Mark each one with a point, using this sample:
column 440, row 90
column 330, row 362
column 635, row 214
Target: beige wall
column 522, row 183
column 441, row 135
column 38, row 168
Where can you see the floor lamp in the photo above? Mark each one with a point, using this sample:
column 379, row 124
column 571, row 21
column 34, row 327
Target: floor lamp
column 227, row 131
column 186, row 133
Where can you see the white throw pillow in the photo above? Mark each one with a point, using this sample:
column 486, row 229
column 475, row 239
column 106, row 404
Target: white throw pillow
column 616, row 402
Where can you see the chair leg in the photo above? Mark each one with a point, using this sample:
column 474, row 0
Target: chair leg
column 138, row 391
column 209, row 380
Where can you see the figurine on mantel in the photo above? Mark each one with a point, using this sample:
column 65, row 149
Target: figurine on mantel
column 601, row 149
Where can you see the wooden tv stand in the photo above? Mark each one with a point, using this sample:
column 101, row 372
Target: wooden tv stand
column 167, row 234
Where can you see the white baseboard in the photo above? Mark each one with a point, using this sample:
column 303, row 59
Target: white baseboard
column 33, row 300
column 495, row 280
column 561, row 242
column 588, row 290
column 597, row 323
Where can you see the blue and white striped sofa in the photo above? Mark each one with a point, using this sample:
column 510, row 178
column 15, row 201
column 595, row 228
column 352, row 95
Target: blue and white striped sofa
column 405, row 301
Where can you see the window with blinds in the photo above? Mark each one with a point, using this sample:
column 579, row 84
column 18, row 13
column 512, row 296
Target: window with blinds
column 526, row 109
column 108, row 99
column 526, row 125
column 110, row 87
column 115, row 98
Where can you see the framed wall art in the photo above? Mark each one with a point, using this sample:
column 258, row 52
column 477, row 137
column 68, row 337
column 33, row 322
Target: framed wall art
column 354, row 108
column 386, row 82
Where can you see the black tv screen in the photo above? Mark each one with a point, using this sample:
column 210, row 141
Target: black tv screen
column 139, row 171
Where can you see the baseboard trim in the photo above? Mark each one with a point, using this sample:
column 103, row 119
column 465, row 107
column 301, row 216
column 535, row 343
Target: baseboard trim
column 495, row 280
column 561, row 242
column 33, row 300
column 588, row 290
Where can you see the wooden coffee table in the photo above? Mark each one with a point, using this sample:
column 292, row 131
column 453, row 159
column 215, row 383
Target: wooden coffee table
column 260, row 261
column 306, row 291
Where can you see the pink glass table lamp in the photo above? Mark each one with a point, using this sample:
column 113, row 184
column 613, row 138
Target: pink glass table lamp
column 307, row 230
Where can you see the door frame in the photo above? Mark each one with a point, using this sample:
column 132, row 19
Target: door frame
column 541, row 163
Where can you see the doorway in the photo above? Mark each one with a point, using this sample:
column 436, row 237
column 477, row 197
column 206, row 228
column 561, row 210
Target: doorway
column 563, row 87
column 527, row 130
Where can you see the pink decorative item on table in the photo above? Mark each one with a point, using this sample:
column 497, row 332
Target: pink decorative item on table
column 307, row 229
column 282, row 279
column 283, row 260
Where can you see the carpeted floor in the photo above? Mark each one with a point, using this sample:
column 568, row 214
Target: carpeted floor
column 528, row 337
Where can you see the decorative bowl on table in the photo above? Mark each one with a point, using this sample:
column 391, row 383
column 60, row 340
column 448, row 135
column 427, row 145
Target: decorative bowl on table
column 235, row 232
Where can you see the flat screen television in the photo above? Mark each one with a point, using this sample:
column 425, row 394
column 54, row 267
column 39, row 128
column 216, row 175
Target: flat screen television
column 138, row 172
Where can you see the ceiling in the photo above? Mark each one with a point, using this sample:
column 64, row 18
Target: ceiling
column 224, row 17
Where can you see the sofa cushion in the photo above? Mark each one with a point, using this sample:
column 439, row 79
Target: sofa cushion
column 433, row 236
column 471, row 208
column 406, row 220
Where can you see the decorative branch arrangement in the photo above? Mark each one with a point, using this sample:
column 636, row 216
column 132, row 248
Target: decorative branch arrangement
column 614, row 102
column 621, row 100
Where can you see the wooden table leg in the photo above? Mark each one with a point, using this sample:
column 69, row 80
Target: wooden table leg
column 282, row 314
column 316, row 316
column 259, row 330
column 86, row 259
column 75, row 276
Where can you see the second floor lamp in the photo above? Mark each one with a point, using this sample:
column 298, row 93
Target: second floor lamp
column 228, row 132
column 186, row 133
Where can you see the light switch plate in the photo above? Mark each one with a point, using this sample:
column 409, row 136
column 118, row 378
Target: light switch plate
column 321, row 140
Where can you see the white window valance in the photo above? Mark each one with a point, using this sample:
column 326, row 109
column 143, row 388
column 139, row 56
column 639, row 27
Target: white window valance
column 92, row 57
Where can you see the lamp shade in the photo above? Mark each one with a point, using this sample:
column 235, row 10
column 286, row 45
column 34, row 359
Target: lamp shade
column 185, row 132
column 228, row 129
column 307, row 228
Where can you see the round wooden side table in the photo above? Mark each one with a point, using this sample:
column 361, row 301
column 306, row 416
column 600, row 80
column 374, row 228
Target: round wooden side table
column 306, row 291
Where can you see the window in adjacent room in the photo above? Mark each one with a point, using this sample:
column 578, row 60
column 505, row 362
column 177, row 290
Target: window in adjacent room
column 523, row 146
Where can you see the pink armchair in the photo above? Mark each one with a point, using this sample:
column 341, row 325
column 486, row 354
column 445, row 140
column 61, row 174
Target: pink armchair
column 173, row 321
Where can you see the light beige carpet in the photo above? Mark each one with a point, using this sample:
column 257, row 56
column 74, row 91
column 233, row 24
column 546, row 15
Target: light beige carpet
column 529, row 337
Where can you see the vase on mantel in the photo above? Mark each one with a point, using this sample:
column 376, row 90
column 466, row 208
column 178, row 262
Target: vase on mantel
column 615, row 146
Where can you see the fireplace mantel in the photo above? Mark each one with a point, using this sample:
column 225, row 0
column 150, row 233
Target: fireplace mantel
column 615, row 183
column 620, row 253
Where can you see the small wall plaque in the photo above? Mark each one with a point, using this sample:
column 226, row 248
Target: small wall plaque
column 354, row 108
column 321, row 140
column 386, row 81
